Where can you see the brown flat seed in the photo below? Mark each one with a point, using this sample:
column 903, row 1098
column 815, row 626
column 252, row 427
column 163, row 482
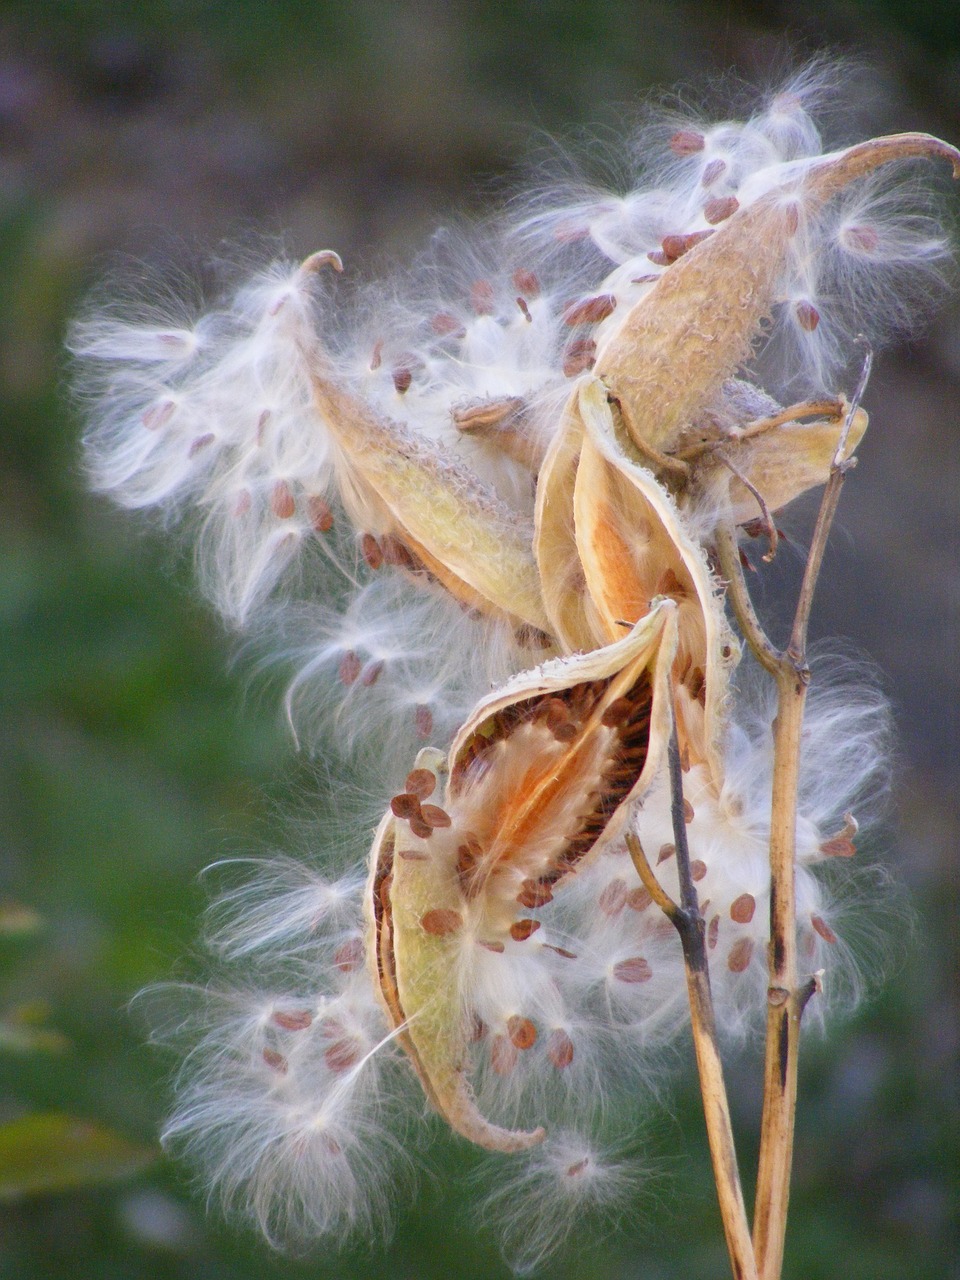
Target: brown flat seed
column 402, row 378
column 740, row 955
column 371, row 673
column 613, row 897
column 527, row 282
column 496, row 947
column 636, row 969
column 445, row 325
column 158, row 414
column 719, row 208
column 824, row 930
column 698, row 869
column 420, row 826
column 321, row 517
column 350, row 667
column 649, row 279
column 838, row 847
column 478, row 1029
column 371, row 551
column 482, row 297
column 560, row 1049
column 242, row 503
column 713, row 932
column 276, row 1061
column 860, row 239
column 666, row 851
column 349, row 955
column 560, row 951
column 687, row 142
column 579, row 356
column 808, row 317
column 441, row 921
column 435, row 816
column 420, row 783
column 712, row 172
column 590, row 310
column 659, row 258
column 688, row 813
column 343, row 1054
column 742, row 908
column 520, row 930
column 522, row 304
column 639, row 899
column 578, row 1167
column 405, row 805
column 618, row 711
column 503, row 1055
column 413, row 855
column 201, row 442
column 423, row 721
column 677, row 245
column 565, row 732
column 293, row 1020
column 376, row 355
column 282, row 502
column 522, row 1032
column 534, row 894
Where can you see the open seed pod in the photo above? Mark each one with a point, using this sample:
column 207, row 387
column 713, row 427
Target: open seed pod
column 666, row 358
column 538, row 779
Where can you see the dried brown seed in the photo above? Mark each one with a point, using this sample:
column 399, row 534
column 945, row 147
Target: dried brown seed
column 618, row 712
column 698, row 869
column 522, row 1032
column 712, row 171
column 242, row 503
column 348, row 957
column 719, row 208
column 371, row 551
column 343, row 1054
column 527, row 282
column 376, row 355
column 613, row 897
column 636, row 969
column 405, row 805
column 687, row 142
column 742, row 908
column 420, row 826
column 154, row 418
column 350, row 667
column 200, row 443
column 659, row 258
column 292, row 1020
column 423, row 721
column 639, row 899
column 445, row 325
column 534, row 894
column 413, row 855
column 590, row 310
column 420, row 783
column 578, row 1167
column 482, row 297
column 824, row 930
column 560, row 951
column 441, row 921
column 713, row 932
column 808, row 317
column 740, row 955
column 496, row 947
column 666, row 851
column 371, row 673
column 838, row 847
column 402, row 378
column 677, row 245
column 860, row 239
column 560, row 1049
column 276, row 1061
column 435, row 816
column 321, row 517
column 688, row 813
column 579, row 356
column 520, row 930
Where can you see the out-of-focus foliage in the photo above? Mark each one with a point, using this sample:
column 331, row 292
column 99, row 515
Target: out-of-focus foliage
column 131, row 755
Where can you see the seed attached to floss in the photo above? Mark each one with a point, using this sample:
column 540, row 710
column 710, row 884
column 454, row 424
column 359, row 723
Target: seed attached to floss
column 421, row 783
column 636, row 969
column 687, row 142
column 350, row 668
column 441, row 921
column 560, row 1049
column 742, row 908
column 740, row 955
column 522, row 1032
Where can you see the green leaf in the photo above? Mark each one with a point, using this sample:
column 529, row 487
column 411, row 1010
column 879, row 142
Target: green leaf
column 46, row 1153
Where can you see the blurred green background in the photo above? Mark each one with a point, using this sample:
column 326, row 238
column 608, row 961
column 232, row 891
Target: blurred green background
column 130, row 756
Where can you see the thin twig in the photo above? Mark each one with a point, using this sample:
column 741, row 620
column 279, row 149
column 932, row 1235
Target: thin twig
column 728, row 557
column 786, row 1000
column 688, row 921
column 765, row 516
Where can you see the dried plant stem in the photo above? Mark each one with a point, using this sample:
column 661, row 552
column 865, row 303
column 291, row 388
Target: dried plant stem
column 786, row 997
column 689, row 924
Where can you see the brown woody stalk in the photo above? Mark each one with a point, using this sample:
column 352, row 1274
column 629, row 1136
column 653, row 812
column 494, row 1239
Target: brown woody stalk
column 689, row 924
column 786, row 996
